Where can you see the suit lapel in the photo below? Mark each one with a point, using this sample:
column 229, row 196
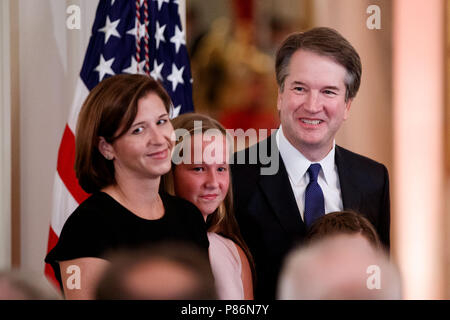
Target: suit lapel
column 351, row 194
column 278, row 192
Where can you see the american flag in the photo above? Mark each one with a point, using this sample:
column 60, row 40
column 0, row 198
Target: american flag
column 143, row 36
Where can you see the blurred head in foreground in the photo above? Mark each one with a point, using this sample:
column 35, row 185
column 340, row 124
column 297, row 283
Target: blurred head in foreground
column 343, row 222
column 167, row 271
column 339, row 267
column 15, row 285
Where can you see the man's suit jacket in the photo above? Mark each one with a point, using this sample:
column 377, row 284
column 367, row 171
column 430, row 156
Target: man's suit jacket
column 270, row 220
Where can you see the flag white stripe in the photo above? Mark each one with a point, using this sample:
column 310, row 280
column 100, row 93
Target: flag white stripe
column 81, row 92
column 63, row 205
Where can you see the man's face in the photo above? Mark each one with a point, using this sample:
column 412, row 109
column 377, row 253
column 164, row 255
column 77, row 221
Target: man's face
column 312, row 104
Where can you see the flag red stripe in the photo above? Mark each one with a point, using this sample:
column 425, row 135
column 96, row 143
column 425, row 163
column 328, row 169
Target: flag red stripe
column 65, row 166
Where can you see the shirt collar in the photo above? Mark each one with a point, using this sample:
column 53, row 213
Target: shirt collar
column 296, row 163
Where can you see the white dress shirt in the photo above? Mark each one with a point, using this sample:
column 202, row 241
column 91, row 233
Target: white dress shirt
column 297, row 169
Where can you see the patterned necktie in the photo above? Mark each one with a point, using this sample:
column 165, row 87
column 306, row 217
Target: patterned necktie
column 314, row 203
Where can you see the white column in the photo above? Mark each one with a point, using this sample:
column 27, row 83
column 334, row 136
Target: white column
column 5, row 138
column 418, row 91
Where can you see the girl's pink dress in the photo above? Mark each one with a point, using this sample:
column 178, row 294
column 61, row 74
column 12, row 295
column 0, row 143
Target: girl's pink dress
column 226, row 267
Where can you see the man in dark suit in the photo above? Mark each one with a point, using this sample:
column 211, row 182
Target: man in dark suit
column 318, row 74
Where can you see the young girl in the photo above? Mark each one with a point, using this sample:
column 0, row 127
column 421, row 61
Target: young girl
column 203, row 178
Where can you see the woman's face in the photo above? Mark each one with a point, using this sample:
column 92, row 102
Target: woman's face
column 204, row 182
column 144, row 151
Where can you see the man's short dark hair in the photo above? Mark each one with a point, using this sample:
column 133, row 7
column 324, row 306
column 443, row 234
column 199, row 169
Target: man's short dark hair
column 343, row 222
column 323, row 41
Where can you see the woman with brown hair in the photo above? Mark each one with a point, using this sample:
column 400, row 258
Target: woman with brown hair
column 200, row 173
column 123, row 147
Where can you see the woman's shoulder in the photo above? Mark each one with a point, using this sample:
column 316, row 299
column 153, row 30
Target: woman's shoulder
column 184, row 218
column 84, row 233
column 180, row 207
column 98, row 209
column 98, row 199
column 174, row 201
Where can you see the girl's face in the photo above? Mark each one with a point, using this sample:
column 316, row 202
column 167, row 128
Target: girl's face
column 144, row 150
column 204, row 182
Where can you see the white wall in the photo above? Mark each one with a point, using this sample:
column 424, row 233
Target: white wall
column 50, row 59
